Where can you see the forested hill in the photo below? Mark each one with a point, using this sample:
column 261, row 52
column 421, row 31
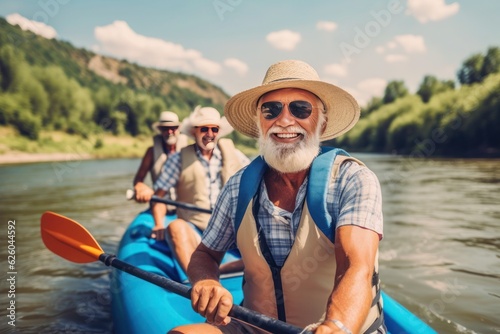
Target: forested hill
column 439, row 119
column 51, row 84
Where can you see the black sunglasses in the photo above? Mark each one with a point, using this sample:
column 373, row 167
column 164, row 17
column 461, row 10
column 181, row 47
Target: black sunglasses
column 299, row 109
column 168, row 128
column 205, row 129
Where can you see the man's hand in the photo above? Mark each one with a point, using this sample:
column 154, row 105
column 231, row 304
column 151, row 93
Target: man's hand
column 210, row 299
column 143, row 193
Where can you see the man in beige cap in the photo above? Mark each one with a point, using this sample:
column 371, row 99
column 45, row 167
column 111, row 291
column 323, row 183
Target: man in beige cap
column 306, row 219
column 169, row 140
column 197, row 173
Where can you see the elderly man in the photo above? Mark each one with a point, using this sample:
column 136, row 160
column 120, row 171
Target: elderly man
column 168, row 141
column 306, row 219
column 197, row 173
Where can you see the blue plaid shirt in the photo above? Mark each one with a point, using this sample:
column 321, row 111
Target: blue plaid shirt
column 171, row 173
column 354, row 198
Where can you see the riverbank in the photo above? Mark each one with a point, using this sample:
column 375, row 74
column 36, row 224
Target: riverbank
column 24, row 158
column 60, row 146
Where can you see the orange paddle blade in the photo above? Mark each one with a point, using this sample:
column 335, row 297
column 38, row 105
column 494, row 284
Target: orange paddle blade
column 68, row 239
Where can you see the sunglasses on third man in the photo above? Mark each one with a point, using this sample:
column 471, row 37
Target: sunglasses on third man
column 168, row 128
column 205, row 129
column 299, row 109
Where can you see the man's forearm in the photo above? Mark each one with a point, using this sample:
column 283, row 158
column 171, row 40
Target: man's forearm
column 351, row 299
column 159, row 212
column 202, row 267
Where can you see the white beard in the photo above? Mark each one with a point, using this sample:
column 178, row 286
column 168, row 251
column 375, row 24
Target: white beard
column 210, row 146
column 289, row 158
column 172, row 140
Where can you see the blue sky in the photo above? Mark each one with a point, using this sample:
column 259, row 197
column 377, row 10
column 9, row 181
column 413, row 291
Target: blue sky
column 357, row 45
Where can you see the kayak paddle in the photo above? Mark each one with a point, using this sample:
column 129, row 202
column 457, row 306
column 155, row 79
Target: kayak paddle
column 73, row 242
column 130, row 194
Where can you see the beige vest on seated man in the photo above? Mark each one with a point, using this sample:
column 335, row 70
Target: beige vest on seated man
column 159, row 156
column 192, row 187
column 159, row 159
column 307, row 276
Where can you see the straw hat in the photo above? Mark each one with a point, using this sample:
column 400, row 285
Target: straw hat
column 205, row 116
column 342, row 109
column 167, row 118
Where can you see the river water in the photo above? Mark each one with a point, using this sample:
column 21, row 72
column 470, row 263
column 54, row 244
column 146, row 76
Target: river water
column 440, row 256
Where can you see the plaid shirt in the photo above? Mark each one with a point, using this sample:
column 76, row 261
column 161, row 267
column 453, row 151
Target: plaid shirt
column 171, row 173
column 354, row 198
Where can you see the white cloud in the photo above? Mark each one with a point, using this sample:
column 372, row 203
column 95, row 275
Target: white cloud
column 411, row 43
column 392, row 45
column 240, row 67
column 403, row 45
column 365, row 90
column 372, row 86
column 284, row 39
column 431, row 10
column 36, row 27
column 326, row 26
column 119, row 40
column 338, row 70
column 395, row 58
column 206, row 65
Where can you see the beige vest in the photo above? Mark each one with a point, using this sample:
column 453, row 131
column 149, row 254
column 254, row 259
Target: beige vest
column 307, row 275
column 192, row 187
column 159, row 156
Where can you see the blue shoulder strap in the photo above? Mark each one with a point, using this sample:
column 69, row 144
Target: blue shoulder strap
column 319, row 177
column 317, row 188
column 250, row 181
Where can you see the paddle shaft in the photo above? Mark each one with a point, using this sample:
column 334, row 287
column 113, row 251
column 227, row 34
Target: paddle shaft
column 130, row 194
column 180, row 204
column 237, row 312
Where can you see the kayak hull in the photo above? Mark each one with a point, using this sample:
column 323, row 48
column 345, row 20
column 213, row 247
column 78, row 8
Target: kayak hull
column 142, row 307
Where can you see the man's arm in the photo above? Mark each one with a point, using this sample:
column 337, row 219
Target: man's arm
column 168, row 178
column 143, row 193
column 350, row 301
column 208, row 297
column 159, row 211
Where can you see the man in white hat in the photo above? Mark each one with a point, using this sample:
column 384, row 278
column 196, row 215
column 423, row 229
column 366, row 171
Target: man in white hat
column 169, row 140
column 197, row 173
column 306, row 219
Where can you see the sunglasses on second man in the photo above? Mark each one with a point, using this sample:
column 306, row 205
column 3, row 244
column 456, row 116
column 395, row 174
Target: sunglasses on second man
column 204, row 129
column 299, row 109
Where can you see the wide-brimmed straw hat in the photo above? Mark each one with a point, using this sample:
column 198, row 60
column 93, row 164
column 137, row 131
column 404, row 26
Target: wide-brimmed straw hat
column 167, row 118
column 205, row 116
column 341, row 108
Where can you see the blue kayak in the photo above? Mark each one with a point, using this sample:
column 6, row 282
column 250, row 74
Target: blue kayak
column 142, row 307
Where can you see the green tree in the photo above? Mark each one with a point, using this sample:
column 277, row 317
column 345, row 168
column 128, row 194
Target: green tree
column 471, row 69
column 12, row 68
column 394, row 90
column 103, row 106
column 56, row 85
column 491, row 62
column 431, row 86
column 372, row 105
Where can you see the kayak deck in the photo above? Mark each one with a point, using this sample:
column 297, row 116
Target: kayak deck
column 141, row 307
